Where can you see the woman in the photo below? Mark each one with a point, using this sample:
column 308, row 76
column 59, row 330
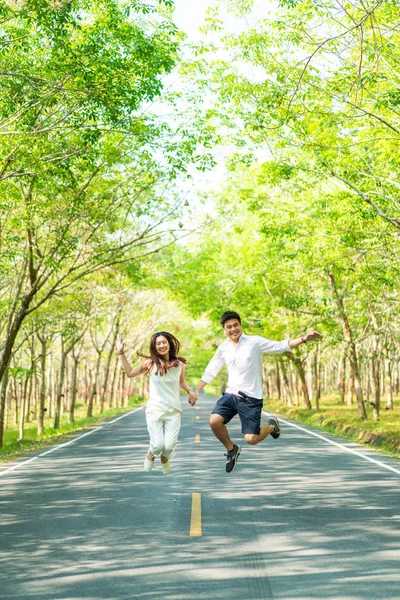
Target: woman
column 163, row 411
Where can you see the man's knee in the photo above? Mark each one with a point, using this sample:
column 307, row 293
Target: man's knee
column 251, row 438
column 216, row 421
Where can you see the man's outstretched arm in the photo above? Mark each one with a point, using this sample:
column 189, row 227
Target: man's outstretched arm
column 270, row 347
column 308, row 337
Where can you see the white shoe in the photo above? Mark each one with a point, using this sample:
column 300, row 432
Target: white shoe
column 166, row 467
column 148, row 464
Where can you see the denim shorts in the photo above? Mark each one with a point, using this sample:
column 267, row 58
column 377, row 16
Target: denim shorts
column 249, row 411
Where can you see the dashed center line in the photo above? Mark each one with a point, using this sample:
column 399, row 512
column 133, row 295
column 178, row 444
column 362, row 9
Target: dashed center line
column 197, row 438
column 195, row 521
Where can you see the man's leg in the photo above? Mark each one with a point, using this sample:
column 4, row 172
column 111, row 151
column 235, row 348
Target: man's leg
column 265, row 430
column 224, row 411
column 220, row 431
column 250, row 416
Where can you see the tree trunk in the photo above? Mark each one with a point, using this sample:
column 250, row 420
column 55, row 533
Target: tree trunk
column 92, row 394
column 108, row 365
column 66, row 386
column 3, row 397
column 113, row 369
column 278, row 382
column 95, row 386
column 106, row 378
column 42, row 396
column 286, row 383
column 117, row 367
column 74, row 380
column 342, row 378
column 52, row 387
column 350, row 391
column 316, row 380
column 28, row 402
column 64, row 353
column 351, row 348
column 57, row 412
column 298, row 365
column 21, row 429
column 376, row 395
column 389, row 389
column 367, row 383
column 35, row 393
column 123, row 383
column 87, row 384
column 266, row 382
column 8, row 410
column 15, row 390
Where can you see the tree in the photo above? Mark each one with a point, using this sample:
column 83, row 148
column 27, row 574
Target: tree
column 80, row 188
column 322, row 98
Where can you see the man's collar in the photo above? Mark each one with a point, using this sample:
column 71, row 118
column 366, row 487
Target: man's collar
column 242, row 337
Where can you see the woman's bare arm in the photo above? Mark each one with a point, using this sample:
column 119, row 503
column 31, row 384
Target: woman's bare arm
column 129, row 370
column 184, row 384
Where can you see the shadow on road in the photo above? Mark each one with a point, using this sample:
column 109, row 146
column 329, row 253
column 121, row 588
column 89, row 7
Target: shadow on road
column 296, row 520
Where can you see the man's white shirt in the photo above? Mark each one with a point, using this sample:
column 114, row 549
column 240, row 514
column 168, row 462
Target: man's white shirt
column 244, row 362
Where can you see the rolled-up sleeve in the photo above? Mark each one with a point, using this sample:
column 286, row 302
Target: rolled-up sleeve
column 269, row 347
column 213, row 367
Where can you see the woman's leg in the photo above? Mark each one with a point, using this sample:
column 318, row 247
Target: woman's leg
column 172, row 425
column 156, row 433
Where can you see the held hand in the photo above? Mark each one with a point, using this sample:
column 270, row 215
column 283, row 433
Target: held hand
column 119, row 344
column 309, row 337
column 192, row 398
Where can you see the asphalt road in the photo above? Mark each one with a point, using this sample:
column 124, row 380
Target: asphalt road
column 300, row 518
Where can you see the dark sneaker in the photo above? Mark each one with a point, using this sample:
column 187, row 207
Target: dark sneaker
column 277, row 431
column 232, row 458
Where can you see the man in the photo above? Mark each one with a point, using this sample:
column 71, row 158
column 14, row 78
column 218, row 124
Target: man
column 242, row 354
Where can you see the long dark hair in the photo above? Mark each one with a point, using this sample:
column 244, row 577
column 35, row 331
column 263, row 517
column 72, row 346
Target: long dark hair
column 161, row 363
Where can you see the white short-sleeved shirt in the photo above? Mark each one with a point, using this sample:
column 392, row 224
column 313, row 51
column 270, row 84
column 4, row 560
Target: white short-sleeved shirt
column 244, row 362
column 164, row 396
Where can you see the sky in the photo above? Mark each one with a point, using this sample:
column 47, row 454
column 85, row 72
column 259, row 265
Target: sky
column 189, row 16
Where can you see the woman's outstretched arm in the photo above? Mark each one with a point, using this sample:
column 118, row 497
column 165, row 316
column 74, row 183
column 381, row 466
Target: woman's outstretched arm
column 129, row 370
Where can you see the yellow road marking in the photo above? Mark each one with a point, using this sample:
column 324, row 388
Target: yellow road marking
column 197, row 438
column 195, row 521
column 197, row 418
column 197, row 407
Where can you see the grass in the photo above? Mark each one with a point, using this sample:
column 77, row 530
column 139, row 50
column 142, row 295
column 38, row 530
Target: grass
column 343, row 420
column 12, row 448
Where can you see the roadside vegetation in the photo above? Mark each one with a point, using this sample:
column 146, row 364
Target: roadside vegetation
column 343, row 421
